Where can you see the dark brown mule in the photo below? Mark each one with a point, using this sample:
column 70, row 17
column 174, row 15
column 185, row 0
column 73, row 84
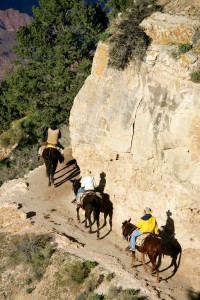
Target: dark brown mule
column 51, row 157
column 106, row 206
column 90, row 205
column 151, row 246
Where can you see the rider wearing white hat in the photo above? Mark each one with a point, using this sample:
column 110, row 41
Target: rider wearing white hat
column 147, row 224
column 88, row 181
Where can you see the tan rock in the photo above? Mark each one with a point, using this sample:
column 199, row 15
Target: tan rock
column 166, row 28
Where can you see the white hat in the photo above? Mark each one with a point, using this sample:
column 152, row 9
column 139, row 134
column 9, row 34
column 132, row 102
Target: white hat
column 147, row 210
column 88, row 173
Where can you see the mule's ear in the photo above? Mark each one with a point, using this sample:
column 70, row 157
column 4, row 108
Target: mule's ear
column 79, row 179
column 129, row 220
column 72, row 181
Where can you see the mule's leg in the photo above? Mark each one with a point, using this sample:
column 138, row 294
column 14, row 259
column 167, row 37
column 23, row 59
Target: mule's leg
column 88, row 216
column 154, row 267
column 49, row 184
column 133, row 259
column 143, row 262
column 77, row 212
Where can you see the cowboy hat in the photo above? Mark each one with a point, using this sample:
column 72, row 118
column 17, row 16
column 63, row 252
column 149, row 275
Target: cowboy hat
column 147, row 210
column 88, row 173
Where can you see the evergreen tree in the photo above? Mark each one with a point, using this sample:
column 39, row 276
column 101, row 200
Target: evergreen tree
column 54, row 58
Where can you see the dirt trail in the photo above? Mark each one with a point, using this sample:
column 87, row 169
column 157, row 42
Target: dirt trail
column 50, row 208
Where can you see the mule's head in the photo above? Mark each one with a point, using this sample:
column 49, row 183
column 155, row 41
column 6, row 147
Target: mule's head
column 76, row 184
column 125, row 228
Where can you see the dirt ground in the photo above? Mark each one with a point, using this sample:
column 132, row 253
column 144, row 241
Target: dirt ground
column 50, row 208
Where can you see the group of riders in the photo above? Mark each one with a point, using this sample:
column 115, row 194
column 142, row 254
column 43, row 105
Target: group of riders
column 147, row 223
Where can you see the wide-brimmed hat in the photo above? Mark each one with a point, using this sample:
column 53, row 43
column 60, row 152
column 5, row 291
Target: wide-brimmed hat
column 88, row 173
column 147, row 210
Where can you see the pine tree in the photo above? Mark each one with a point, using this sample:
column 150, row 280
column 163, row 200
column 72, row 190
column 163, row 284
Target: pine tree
column 54, row 58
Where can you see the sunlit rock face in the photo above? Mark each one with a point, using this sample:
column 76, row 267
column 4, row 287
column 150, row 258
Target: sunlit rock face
column 141, row 127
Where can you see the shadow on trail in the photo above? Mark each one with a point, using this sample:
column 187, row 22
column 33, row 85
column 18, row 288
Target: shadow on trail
column 71, row 238
column 62, row 177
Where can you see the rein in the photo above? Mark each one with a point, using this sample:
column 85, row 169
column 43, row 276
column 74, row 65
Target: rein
column 129, row 233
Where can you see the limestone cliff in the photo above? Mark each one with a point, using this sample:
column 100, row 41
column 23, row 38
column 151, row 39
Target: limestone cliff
column 141, row 126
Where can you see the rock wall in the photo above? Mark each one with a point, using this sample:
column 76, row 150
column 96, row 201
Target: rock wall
column 139, row 130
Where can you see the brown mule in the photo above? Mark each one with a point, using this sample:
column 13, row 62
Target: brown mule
column 51, row 157
column 151, row 246
column 106, row 206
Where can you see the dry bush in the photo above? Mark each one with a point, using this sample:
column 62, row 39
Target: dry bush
column 127, row 40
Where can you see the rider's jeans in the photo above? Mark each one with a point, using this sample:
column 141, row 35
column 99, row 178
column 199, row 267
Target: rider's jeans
column 133, row 237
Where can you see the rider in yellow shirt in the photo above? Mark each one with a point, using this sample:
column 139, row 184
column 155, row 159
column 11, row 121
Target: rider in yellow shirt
column 147, row 224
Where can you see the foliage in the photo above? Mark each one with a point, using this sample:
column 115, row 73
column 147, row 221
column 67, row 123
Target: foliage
column 117, row 6
column 77, row 271
column 127, row 40
column 31, row 249
column 13, row 135
column 113, row 292
column 119, row 294
column 24, row 158
column 183, row 48
column 55, row 53
column 195, row 76
column 29, row 290
column 91, row 264
column 96, row 297
column 110, row 276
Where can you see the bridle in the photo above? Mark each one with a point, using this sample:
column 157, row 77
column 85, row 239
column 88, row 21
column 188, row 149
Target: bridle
column 129, row 233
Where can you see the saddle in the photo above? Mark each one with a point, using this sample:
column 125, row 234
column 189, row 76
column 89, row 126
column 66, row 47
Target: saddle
column 55, row 147
column 41, row 149
column 81, row 196
column 140, row 239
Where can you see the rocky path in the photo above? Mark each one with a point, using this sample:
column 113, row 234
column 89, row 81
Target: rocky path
column 50, row 209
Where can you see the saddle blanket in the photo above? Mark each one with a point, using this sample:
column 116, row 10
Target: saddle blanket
column 140, row 239
column 81, row 196
column 41, row 149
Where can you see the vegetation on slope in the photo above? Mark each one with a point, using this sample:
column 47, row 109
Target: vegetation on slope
column 55, row 54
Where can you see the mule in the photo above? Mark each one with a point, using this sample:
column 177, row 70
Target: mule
column 106, row 206
column 51, row 157
column 90, row 205
column 151, row 246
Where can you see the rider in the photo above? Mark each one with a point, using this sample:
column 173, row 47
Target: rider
column 87, row 184
column 147, row 224
column 51, row 134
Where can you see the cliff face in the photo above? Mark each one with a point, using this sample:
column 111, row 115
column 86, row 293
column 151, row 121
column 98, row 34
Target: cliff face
column 141, row 127
column 10, row 20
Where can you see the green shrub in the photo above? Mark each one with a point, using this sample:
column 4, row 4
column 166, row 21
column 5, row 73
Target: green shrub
column 96, row 297
column 195, row 76
column 110, row 276
column 183, row 48
column 129, row 294
column 31, row 249
column 91, row 264
column 20, row 163
column 127, row 40
column 13, row 135
column 113, row 292
column 77, row 271
column 28, row 281
column 29, row 290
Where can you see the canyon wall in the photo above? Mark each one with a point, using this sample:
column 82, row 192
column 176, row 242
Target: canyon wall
column 138, row 130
